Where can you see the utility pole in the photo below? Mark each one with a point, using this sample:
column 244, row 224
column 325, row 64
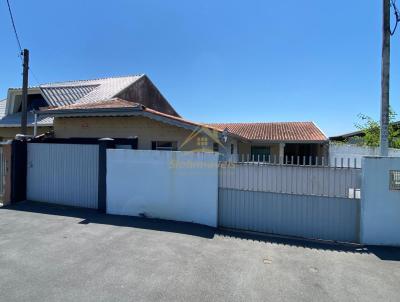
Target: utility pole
column 384, row 144
column 24, row 91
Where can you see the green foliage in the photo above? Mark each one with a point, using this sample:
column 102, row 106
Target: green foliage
column 371, row 128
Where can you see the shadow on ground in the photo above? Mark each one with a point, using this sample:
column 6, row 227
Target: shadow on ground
column 93, row 216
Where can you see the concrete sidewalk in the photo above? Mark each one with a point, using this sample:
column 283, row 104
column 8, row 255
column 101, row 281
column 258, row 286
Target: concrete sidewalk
column 52, row 253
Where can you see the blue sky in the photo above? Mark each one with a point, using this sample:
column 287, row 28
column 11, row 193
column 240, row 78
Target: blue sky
column 215, row 61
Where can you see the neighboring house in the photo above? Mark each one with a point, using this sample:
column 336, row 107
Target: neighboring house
column 355, row 137
column 138, row 88
column 349, row 148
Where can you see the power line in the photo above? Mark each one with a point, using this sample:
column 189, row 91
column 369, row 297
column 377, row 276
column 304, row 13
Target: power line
column 13, row 24
column 34, row 76
column 19, row 42
column 397, row 15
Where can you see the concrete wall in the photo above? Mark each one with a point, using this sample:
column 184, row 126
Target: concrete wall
column 380, row 207
column 354, row 153
column 7, row 133
column 180, row 186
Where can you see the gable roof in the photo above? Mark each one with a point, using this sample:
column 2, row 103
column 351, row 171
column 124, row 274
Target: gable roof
column 275, row 132
column 61, row 94
column 85, row 91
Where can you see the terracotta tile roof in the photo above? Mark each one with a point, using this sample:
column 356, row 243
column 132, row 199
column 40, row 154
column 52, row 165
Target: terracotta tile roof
column 179, row 119
column 286, row 131
column 282, row 131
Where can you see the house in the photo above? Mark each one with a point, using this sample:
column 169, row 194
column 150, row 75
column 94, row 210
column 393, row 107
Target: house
column 356, row 137
column 351, row 147
column 155, row 130
column 126, row 107
column 294, row 142
column 118, row 118
column 136, row 87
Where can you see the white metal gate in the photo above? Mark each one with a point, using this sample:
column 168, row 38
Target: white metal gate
column 64, row 174
column 306, row 201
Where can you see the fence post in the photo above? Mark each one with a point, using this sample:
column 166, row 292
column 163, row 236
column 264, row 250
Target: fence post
column 7, row 152
column 380, row 206
column 104, row 143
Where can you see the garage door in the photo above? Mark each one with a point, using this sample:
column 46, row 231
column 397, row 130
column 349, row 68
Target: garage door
column 64, row 174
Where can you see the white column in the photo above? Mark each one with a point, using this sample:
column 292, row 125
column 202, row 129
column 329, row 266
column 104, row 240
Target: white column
column 281, row 153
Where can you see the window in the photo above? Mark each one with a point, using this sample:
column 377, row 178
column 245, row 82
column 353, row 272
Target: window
column 164, row 145
column 202, row 141
column 215, row 147
column 394, row 180
column 260, row 153
column 232, row 148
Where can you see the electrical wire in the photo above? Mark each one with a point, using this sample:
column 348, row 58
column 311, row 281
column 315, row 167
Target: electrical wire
column 397, row 15
column 19, row 42
column 13, row 24
column 34, row 76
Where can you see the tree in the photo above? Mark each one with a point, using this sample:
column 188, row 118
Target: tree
column 371, row 129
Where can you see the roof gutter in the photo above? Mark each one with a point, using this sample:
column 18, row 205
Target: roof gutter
column 289, row 141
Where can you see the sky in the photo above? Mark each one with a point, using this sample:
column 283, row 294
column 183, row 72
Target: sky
column 215, row 61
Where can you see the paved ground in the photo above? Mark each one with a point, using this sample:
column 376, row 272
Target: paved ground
column 49, row 253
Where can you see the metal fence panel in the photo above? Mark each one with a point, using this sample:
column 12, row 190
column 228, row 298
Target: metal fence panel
column 63, row 173
column 291, row 179
column 307, row 216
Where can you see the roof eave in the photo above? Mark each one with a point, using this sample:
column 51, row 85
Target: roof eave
column 289, row 141
column 115, row 112
column 85, row 112
column 28, row 125
column 137, row 111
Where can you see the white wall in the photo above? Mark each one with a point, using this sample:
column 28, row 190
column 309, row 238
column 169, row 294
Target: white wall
column 380, row 207
column 347, row 151
column 180, row 186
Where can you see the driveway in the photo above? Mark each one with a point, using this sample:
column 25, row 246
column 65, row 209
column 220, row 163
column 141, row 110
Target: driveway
column 50, row 253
